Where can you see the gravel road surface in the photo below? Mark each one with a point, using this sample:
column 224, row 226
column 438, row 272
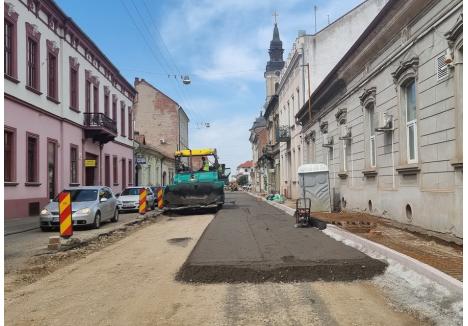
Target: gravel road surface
column 132, row 282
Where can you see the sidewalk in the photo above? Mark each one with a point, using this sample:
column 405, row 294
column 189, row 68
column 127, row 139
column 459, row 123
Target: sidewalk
column 436, row 250
column 22, row 224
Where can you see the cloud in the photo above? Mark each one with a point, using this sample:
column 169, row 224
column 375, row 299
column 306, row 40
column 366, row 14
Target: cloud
column 229, row 136
column 231, row 62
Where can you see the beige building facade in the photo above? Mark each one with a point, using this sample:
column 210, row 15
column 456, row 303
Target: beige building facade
column 388, row 118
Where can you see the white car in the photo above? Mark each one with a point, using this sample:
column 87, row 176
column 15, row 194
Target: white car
column 129, row 199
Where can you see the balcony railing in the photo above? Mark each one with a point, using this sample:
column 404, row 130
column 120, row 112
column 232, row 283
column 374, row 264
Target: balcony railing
column 99, row 127
column 284, row 134
column 99, row 120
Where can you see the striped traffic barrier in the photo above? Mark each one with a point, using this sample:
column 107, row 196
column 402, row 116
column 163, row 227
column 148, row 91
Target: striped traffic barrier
column 160, row 198
column 65, row 215
column 142, row 206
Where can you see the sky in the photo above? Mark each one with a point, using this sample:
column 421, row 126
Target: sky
column 222, row 45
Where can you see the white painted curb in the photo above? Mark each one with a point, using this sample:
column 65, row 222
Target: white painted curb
column 406, row 261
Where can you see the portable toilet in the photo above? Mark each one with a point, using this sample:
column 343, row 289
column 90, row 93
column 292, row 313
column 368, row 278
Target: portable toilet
column 314, row 184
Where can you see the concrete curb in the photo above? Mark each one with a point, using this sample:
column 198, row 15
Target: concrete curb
column 406, row 261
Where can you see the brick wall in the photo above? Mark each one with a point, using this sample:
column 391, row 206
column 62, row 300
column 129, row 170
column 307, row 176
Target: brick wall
column 156, row 117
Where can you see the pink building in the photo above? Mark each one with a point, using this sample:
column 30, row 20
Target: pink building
column 68, row 111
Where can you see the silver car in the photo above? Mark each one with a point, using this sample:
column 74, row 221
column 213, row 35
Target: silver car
column 90, row 206
column 129, row 199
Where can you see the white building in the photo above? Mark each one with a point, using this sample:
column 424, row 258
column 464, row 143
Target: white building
column 311, row 58
column 67, row 109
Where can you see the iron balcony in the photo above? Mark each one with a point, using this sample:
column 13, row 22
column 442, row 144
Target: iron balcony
column 99, row 127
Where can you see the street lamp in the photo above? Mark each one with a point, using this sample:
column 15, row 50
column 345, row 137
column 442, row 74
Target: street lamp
column 185, row 79
column 308, row 87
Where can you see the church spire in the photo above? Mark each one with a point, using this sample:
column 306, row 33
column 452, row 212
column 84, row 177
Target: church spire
column 276, row 50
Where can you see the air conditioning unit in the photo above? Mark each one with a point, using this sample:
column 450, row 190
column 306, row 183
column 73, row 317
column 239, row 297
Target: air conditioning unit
column 345, row 133
column 327, row 141
column 385, row 122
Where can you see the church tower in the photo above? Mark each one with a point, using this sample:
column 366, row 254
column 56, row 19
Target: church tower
column 275, row 64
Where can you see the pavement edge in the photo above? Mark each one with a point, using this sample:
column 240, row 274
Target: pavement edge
column 366, row 245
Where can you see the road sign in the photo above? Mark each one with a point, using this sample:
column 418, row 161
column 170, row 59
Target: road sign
column 90, row 163
column 65, row 214
column 142, row 207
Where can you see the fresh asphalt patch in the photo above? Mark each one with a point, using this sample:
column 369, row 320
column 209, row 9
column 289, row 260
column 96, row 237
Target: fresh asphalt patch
column 256, row 242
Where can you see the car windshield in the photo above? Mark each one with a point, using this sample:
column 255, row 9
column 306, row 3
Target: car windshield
column 131, row 192
column 82, row 195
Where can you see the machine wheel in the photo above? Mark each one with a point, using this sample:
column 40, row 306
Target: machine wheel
column 115, row 218
column 97, row 221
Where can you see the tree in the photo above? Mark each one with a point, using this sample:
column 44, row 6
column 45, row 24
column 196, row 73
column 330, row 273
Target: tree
column 243, row 180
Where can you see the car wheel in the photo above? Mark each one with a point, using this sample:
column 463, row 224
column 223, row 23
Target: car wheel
column 97, row 221
column 45, row 228
column 115, row 218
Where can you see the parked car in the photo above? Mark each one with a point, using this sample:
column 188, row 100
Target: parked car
column 90, row 206
column 129, row 199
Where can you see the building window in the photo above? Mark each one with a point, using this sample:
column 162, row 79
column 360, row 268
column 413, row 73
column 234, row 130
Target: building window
column 124, row 173
column 122, row 119
column 115, row 171
column 130, row 123
column 411, row 121
column 8, row 53
column 88, row 96
column 107, row 170
column 114, row 108
column 32, row 69
column 371, row 123
column 74, row 164
column 73, row 88
column 96, row 98
column 32, row 162
column 52, row 76
column 10, row 50
column 130, row 172
column 74, row 83
column 33, row 38
column 9, row 155
column 106, row 105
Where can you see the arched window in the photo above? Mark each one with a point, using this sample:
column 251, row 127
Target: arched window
column 370, row 123
column 405, row 78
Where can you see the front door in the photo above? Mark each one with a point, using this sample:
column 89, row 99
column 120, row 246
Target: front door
column 51, row 168
column 90, row 169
